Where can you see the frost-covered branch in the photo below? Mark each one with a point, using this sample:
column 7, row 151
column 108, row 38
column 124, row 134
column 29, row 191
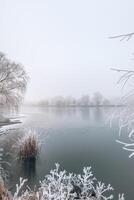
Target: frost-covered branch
column 122, row 37
column 60, row 185
column 121, row 197
column 128, row 147
column 125, row 114
column 19, row 188
column 128, row 75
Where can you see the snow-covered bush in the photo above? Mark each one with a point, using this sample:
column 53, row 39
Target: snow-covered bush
column 60, row 185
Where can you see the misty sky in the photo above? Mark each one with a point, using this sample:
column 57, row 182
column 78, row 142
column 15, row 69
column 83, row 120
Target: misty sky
column 64, row 44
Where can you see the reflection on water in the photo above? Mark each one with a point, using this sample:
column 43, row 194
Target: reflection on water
column 85, row 113
column 29, row 167
column 98, row 114
column 74, row 137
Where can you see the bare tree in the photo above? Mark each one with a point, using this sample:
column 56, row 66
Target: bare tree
column 84, row 100
column 106, row 102
column 13, row 82
column 97, row 99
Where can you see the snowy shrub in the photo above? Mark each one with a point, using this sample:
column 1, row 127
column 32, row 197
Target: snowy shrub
column 60, row 185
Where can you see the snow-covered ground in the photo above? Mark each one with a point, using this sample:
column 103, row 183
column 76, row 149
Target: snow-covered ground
column 8, row 123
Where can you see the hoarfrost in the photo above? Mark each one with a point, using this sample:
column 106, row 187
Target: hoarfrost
column 60, row 185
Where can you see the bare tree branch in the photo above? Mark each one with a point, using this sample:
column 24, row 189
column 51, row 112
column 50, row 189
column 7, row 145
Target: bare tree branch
column 126, row 114
column 122, row 70
column 128, row 75
column 122, row 37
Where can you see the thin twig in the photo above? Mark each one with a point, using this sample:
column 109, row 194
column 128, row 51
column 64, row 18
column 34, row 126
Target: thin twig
column 122, row 70
column 127, row 75
column 123, row 36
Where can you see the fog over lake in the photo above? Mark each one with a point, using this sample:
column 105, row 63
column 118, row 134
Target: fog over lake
column 65, row 45
column 67, row 97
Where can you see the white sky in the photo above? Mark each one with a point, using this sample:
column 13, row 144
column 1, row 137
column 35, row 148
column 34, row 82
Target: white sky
column 64, row 44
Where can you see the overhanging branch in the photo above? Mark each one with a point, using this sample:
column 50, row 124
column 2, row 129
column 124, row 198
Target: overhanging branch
column 122, row 37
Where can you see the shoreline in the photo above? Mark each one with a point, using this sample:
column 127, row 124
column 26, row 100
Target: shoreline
column 9, row 123
column 75, row 106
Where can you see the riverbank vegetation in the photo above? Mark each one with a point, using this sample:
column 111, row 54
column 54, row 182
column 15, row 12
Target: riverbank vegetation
column 60, row 185
column 28, row 146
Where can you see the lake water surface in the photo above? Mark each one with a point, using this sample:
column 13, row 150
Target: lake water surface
column 73, row 137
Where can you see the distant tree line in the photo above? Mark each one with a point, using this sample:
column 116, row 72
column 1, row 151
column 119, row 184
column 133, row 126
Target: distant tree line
column 97, row 100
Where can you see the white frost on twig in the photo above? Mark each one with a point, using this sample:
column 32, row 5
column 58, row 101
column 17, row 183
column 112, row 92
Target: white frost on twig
column 19, row 188
column 122, row 37
column 60, row 185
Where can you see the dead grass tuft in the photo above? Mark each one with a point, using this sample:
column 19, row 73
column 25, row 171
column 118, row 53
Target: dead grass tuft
column 28, row 146
column 4, row 194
